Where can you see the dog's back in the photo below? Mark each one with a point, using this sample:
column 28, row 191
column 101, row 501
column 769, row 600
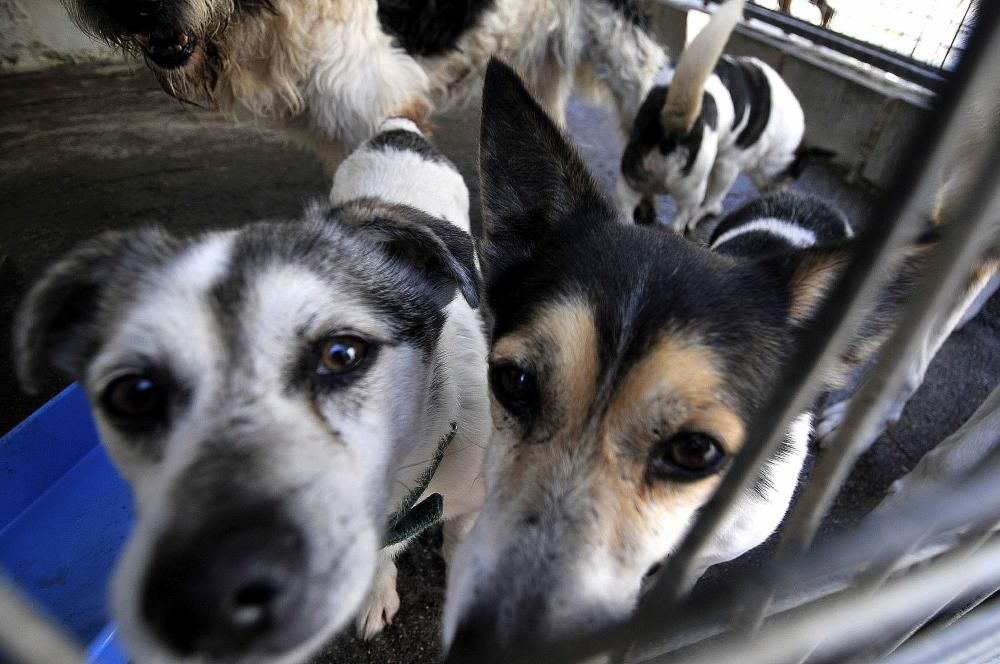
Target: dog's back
column 779, row 223
column 399, row 165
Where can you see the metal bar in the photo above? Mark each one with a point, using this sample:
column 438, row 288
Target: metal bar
column 837, row 319
column 974, row 638
column 975, row 540
column 866, row 411
column 934, row 297
column 834, row 623
column 954, row 37
column 29, row 638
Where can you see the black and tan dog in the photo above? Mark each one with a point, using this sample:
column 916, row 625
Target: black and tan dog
column 625, row 366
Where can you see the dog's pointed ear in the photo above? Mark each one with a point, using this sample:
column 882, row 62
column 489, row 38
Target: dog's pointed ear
column 531, row 178
column 56, row 325
column 434, row 255
column 811, row 274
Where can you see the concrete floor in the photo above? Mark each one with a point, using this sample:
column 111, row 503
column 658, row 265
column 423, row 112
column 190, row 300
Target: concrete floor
column 89, row 148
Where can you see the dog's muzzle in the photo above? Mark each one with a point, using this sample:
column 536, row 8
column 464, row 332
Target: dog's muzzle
column 168, row 51
column 231, row 587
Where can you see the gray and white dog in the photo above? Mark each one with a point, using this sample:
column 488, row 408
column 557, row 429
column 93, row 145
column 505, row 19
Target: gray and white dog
column 272, row 394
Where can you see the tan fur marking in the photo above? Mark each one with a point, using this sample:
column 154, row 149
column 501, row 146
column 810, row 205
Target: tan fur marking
column 418, row 111
column 811, row 284
column 565, row 332
column 682, row 377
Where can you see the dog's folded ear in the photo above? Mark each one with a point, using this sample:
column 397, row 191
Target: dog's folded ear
column 437, row 256
column 531, row 177
column 811, row 274
column 56, row 325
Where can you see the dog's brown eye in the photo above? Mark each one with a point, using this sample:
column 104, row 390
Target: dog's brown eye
column 686, row 455
column 341, row 354
column 134, row 397
column 515, row 388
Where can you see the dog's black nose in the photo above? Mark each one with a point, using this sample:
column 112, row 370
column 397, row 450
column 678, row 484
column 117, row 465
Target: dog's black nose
column 147, row 8
column 228, row 588
column 136, row 15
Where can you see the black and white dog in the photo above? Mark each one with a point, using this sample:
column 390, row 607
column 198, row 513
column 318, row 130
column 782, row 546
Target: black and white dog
column 706, row 121
column 327, row 72
column 285, row 399
column 625, row 366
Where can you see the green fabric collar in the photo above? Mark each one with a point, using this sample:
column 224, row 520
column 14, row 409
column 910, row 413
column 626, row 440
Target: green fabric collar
column 410, row 518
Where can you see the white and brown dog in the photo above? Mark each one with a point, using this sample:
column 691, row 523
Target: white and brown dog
column 705, row 121
column 326, row 72
column 290, row 402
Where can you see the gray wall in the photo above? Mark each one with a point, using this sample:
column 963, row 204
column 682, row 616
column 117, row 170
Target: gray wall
column 862, row 115
column 39, row 32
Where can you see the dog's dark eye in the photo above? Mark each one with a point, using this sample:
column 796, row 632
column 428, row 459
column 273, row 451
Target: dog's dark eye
column 341, row 354
column 515, row 388
column 135, row 399
column 686, row 455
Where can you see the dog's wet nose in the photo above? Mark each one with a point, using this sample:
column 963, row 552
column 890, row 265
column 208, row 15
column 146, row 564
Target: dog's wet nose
column 228, row 589
column 137, row 15
column 147, row 8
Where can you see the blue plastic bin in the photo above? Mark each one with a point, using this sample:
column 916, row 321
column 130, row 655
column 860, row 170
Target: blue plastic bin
column 64, row 515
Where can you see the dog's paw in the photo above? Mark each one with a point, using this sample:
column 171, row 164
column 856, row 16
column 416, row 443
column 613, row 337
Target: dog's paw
column 382, row 603
column 828, row 422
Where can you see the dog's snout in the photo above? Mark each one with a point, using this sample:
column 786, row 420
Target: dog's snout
column 228, row 589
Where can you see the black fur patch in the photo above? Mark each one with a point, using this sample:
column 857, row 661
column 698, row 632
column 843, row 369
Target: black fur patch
column 827, row 223
column 256, row 6
column 747, row 85
column 432, row 27
column 804, row 157
column 709, row 111
column 407, row 141
column 635, row 11
column 648, row 134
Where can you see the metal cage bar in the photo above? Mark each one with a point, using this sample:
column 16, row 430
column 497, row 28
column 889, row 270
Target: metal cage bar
column 30, row 638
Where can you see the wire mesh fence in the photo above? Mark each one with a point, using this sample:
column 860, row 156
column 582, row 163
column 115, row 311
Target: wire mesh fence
column 930, row 32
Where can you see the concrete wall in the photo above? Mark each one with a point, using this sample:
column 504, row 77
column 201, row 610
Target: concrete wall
column 861, row 114
column 40, row 32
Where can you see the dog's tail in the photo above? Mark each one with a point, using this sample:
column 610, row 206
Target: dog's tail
column 683, row 104
column 805, row 157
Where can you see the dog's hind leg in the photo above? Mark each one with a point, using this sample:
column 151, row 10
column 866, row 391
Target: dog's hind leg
column 618, row 57
column 720, row 181
column 383, row 600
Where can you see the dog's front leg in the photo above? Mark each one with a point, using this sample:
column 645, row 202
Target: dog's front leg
column 720, row 181
column 383, row 600
column 689, row 204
